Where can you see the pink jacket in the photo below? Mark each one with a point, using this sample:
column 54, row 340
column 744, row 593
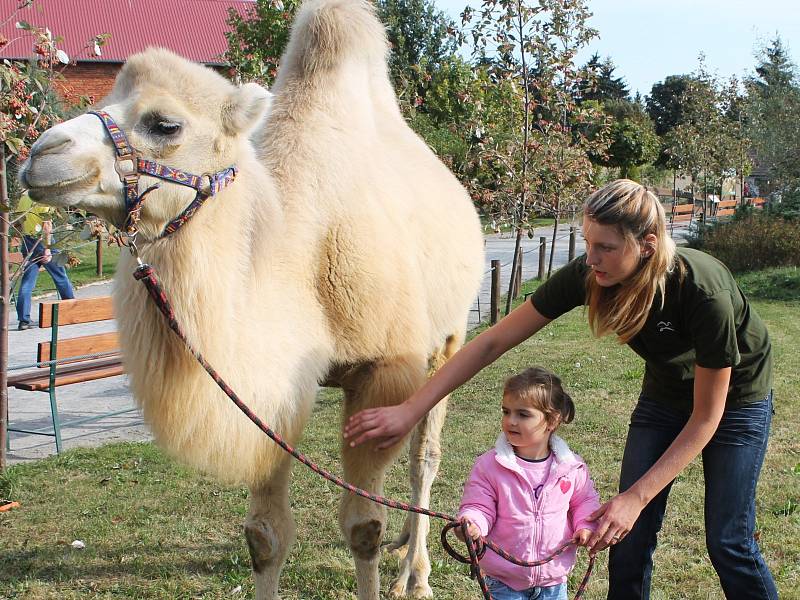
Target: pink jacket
column 500, row 501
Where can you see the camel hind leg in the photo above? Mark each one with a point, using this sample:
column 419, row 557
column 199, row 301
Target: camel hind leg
column 425, row 454
column 382, row 383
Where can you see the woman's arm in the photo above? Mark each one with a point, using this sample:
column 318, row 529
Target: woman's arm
column 617, row 516
column 389, row 425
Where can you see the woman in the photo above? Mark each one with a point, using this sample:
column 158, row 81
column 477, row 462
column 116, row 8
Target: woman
column 707, row 385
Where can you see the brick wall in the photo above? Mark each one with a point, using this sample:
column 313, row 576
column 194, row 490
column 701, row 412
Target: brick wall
column 88, row 79
column 96, row 80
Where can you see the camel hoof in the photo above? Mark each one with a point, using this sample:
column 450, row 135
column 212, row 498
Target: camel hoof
column 400, row 589
column 398, row 546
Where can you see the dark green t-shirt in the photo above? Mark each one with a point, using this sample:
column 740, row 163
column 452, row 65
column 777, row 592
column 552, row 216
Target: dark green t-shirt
column 706, row 320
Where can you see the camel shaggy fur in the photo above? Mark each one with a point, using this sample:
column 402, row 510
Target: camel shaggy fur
column 343, row 253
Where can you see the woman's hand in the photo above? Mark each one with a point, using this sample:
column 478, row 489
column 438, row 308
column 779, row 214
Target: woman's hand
column 615, row 519
column 388, row 425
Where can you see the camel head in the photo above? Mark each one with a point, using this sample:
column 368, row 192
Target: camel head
column 174, row 112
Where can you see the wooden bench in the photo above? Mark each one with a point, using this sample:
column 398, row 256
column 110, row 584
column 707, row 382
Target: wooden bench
column 726, row 208
column 65, row 361
column 758, row 202
column 681, row 213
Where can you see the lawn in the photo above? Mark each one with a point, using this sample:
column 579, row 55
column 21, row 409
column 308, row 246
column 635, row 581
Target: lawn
column 155, row 529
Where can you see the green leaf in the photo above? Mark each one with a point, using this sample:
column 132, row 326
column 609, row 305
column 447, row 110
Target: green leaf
column 14, row 144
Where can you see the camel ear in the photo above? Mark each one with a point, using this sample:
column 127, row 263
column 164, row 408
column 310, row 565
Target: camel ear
column 245, row 108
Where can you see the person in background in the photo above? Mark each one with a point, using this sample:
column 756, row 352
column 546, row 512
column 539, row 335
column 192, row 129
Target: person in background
column 37, row 230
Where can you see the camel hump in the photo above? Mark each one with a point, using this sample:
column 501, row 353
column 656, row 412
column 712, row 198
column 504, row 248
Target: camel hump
column 328, row 33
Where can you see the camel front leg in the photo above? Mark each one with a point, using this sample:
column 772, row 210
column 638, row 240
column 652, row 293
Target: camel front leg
column 270, row 530
column 363, row 522
column 386, row 382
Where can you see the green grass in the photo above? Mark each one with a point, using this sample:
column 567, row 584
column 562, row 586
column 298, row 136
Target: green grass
column 486, row 224
column 155, row 529
column 772, row 284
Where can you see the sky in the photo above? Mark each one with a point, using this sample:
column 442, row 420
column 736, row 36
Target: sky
column 649, row 40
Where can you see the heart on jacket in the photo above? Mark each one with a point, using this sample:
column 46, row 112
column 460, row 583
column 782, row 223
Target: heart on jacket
column 564, row 485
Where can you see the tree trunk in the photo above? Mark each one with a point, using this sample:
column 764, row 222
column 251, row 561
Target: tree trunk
column 512, row 279
column 552, row 246
column 5, row 299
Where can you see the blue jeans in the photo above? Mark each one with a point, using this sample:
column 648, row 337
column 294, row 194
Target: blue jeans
column 500, row 591
column 731, row 464
column 33, row 250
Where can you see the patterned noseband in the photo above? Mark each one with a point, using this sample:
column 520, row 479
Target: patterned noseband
column 129, row 164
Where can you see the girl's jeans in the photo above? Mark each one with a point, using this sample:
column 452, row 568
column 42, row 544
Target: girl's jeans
column 731, row 464
column 500, row 591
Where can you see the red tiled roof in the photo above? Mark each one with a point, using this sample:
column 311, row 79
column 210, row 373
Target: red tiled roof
column 194, row 29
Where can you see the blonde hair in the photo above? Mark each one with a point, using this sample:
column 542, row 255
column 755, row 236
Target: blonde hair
column 541, row 389
column 635, row 212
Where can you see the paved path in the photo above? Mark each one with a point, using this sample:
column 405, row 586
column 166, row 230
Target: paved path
column 501, row 247
column 31, row 410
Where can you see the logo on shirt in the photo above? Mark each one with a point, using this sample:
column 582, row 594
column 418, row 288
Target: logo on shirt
column 665, row 326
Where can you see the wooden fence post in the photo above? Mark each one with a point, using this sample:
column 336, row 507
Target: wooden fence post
column 98, row 252
column 571, row 244
column 494, row 309
column 542, row 257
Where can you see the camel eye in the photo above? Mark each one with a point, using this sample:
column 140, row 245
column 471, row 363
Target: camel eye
column 168, row 127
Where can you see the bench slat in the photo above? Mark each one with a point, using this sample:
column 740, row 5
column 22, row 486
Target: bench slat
column 79, row 346
column 42, row 382
column 70, row 368
column 63, row 369
column 680, row 209
column 70, row 312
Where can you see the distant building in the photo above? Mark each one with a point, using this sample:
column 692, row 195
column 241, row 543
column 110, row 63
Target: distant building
column 194, row 29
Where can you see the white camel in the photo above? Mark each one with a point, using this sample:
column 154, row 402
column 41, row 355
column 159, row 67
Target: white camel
column 343, row 252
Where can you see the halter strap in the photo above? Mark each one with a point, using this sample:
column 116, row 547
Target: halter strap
column 129, row 164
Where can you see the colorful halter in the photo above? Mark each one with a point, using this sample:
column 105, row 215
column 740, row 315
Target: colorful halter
column 129, row 164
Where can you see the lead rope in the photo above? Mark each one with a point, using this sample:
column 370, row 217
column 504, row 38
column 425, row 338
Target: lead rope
column 476, row 549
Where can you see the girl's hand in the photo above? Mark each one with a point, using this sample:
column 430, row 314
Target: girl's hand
column 582, row 536
column 472, row 529
column 388, row 425
column 615, row 520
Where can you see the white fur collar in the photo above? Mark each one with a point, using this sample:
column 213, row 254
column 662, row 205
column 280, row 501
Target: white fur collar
column 558, row 446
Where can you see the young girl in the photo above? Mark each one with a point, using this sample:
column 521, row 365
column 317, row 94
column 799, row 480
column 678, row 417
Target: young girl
column 706, row 387
column 530, row 493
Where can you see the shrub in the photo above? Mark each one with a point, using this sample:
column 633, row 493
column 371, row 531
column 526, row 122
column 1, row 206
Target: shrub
column 753, row 242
